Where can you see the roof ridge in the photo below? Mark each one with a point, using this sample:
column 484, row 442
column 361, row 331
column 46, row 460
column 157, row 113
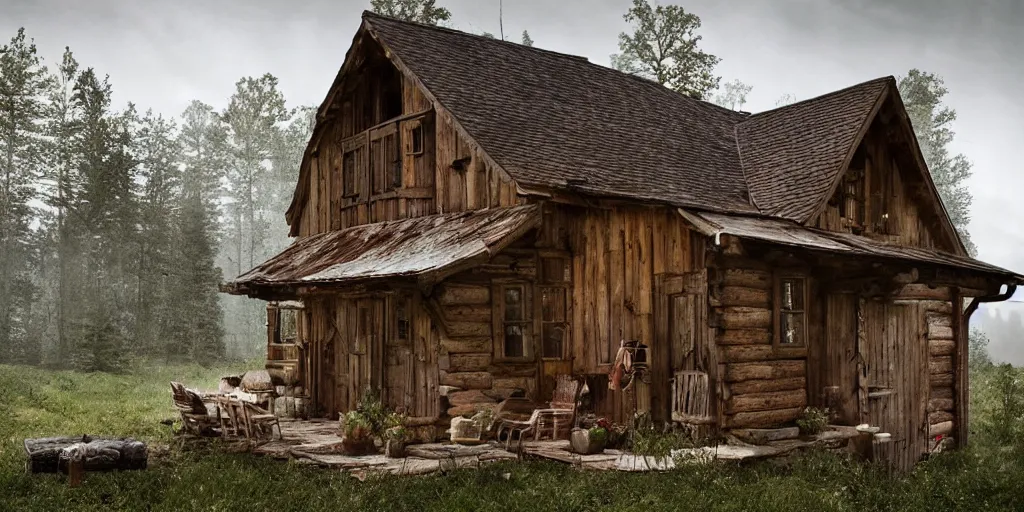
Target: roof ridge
column 439, row 28
column 887, row 78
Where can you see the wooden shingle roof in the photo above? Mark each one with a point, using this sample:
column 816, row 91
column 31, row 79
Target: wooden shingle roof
column 558, row 121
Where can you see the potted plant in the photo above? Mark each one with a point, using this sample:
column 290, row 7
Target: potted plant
column 394, row 441
column 592, row 440
column 357, row 436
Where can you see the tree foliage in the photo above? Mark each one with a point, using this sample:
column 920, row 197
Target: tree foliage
column 664, row 47
column 23, row 85
column 421, row 11
column 527, row 40
column 923, row 94
column 733, row 95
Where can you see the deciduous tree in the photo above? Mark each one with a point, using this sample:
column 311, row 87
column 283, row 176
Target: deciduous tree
column 663, row 47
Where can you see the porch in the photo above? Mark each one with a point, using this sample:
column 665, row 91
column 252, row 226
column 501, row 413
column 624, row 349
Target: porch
column 317, row 443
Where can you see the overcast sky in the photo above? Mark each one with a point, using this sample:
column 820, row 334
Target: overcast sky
column 162, row 54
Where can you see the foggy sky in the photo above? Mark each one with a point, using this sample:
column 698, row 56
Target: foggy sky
column 162, row 54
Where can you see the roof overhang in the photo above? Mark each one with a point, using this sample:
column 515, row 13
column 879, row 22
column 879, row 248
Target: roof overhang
column 787, row 233
column 421, row 250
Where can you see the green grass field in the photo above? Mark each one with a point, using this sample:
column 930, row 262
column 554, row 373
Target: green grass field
column 36, row 403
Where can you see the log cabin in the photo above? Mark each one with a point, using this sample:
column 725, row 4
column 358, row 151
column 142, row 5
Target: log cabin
column 474, row 217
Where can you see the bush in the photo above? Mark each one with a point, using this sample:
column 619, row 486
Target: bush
column 813, row 421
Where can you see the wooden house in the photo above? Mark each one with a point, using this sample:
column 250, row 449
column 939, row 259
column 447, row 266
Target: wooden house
column 474, row 217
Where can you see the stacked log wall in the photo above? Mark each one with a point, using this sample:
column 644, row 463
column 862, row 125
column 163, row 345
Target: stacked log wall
column 763, row 386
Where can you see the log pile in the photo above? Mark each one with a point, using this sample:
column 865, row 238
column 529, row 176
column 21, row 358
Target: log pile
column 52, row 454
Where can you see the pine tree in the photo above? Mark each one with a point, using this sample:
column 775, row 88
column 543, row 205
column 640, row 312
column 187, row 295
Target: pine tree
column 104, row 215
column 158, row 153
column 196, row 277
column 23, row 84
column 61, row 185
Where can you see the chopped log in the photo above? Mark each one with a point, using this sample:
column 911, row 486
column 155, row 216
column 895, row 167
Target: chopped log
column 940, row 365
column 937, row 306
column 745, row 337
column 454, row 294
column 468, row 329
column 468, row 313
column 939, row 417
column 785, row 369
column 467, row 380
column 763, row 419
column 100, row 454
column 747, row 278
column 941, row 392
column 939, row 332
column 765, row 435
column 767, row 386
column 941, row 347
column 939, row 380
column 746, row 318
column 747, row 353
column 923, row 292
column 468, row 397
column 767, row 401
column 944, row 429
column 466, row 345
column 468, row 362
column 470, row 409
column 743, row 296
column 940, row 404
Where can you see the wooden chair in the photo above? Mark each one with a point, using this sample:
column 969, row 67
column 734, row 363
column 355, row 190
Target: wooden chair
column 691, row 398
column 559, row 415
column 260, row 422
column 232, row 417
column 195, row 418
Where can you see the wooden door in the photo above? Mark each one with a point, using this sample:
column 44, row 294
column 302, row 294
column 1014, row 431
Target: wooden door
column 683, row 338
column 836, row 386
column 895, row 354
column 366, row 357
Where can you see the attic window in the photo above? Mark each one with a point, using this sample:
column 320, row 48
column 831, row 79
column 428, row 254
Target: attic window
column 348, row 175
column 790, row 313
column 416, row 140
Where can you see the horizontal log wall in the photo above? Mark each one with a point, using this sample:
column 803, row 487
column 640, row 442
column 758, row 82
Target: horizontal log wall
column 764, row 386
column 463, row 305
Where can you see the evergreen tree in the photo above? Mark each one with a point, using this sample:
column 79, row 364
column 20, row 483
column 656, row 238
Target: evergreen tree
column 923, row 95
column 23, row 84
column 253, row 120
column 61, row 186
column 527, row 40
column 158, row 154
column 663, row 48
column 103, row 217
column 196, row 277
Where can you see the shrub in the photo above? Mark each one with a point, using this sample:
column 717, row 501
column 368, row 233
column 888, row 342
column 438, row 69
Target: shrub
column 813, row 421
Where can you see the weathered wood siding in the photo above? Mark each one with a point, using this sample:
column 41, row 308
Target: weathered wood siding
column 354, row 344
column 885, row 196
column 617, row 253
column 449, row 174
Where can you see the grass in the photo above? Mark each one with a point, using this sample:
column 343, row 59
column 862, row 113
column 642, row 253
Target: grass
column 35, row 403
